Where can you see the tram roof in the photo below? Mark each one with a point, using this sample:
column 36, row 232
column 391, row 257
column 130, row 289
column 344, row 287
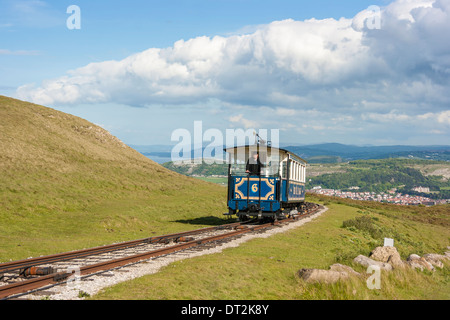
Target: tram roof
column 265, row 147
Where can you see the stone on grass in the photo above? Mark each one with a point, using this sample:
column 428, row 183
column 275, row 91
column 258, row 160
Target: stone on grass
column 322, row 276
column 365, row 261
column 388, row 255
column 343, row 268
column 420, row 264
column 337, row 272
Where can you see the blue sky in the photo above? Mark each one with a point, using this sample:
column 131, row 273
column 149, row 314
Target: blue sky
column 316, row 70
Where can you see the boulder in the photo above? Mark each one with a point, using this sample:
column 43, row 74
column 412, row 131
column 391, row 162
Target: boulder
column 435, row 259
column 343, row 268
column 413, row 257
column 365, row 261
column 395, row 261
column 436, row 256
column 387, row 254
column 420, row 264
column 383, row 253
column 322, row 276
column 428, row 261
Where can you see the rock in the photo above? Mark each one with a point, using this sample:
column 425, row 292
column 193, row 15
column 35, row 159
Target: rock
column 435, row 259
column 337, row 272
column 415, row 264
column 383, row 253
column 428, row 261
column 395, row 261
column 420, row 264
column 436, row 256
column 343, row 268
column 365, row 261
column 413, row 257
column 322, row 276
column 427, row 265
column 387, row 254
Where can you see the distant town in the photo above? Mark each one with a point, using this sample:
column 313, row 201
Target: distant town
column 391, row 196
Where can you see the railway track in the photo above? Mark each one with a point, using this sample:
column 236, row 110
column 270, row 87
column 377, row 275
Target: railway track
column 21, row 277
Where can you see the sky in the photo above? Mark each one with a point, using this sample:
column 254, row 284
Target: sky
column 354, row 72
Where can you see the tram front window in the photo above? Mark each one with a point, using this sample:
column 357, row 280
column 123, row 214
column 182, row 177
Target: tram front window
column 268, row 169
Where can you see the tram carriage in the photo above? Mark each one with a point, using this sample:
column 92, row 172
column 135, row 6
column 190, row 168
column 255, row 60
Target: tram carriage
column 275, row 190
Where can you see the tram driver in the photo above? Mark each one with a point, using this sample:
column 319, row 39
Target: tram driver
column 254, row 165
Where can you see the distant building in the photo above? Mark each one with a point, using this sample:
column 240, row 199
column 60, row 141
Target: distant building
column 421, row 189
column 391, row 197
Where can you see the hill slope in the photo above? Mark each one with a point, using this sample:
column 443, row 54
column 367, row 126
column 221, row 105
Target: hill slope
column 67, row 183
column 265, row 269
column 336, row 152
column 383, row 174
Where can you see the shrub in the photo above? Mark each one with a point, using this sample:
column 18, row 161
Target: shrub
column 363, row 223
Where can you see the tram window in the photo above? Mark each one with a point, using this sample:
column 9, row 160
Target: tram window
column 270, row 164
column 294, row 170
column 238, row 169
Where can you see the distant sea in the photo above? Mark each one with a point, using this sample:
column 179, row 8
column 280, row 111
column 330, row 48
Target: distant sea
column 158, row 159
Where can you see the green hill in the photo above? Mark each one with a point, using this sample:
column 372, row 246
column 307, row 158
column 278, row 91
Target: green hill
column 201, row 169
column 383, row 174
column 265, row 269
column 67, row 184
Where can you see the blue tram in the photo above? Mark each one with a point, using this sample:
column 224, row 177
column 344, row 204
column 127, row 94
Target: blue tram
column 264, row 181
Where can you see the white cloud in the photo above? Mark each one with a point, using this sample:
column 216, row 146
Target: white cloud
column 326, row 70
column 285, row 111
column 444, row 117
column 278, row 60
column 393, row 117
column 240, row 120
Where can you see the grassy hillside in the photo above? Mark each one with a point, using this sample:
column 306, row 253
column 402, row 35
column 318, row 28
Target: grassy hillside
column 67, row 184
column 266, row 268
column 202, row 169
column 382, row 175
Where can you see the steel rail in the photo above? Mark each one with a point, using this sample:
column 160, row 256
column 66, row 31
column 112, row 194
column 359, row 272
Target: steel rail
column 35, row 283
column 56, row 278
column 25, row 263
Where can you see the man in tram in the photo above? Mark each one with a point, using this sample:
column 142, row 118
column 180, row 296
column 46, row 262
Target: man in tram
column 254, row 165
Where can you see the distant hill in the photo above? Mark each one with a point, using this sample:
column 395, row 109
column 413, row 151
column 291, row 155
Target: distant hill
column 381, row 175
column 68, row 183
column 331, row 152
column 336, row 152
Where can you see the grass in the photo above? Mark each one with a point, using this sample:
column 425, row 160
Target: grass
column 218, row 180
column 68, row 184
column 266, row 268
